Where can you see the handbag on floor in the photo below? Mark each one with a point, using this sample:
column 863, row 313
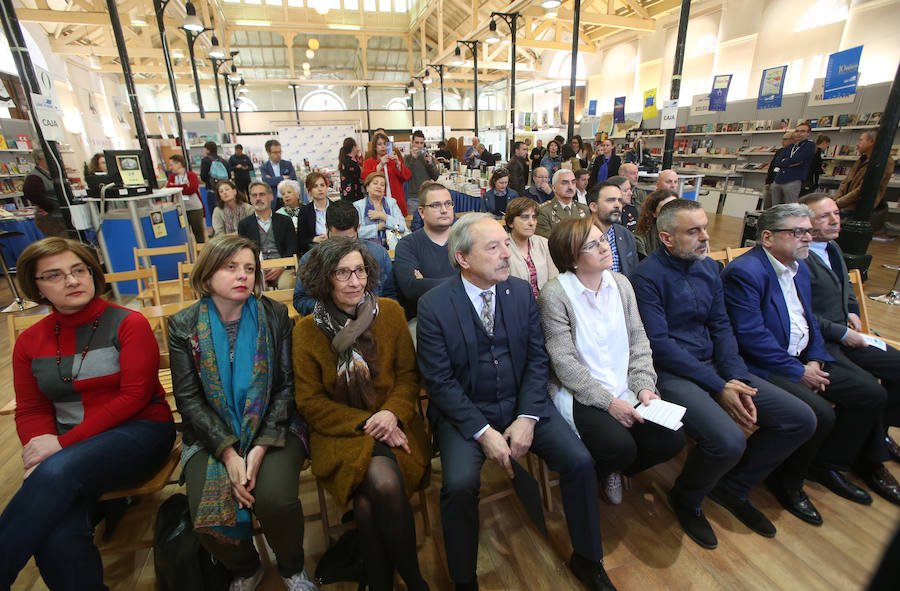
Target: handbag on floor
column 342, row 562
column 180, row 562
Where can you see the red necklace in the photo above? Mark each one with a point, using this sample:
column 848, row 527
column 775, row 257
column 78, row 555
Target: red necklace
column 84, row 351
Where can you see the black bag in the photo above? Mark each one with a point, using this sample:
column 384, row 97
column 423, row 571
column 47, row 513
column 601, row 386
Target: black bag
column 342, row 562
column 181, row 563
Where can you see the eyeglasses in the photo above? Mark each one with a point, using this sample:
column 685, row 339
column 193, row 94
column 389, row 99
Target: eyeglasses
column 595, row 244
column 438, row 205
column 796, row 232
column 344, row 274
column 78, row 273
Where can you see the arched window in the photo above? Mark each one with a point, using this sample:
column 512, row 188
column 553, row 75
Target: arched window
column 397, row 104
column 322, row 100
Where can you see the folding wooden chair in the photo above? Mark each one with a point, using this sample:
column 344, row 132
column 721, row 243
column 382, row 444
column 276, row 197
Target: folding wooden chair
column 166, row 288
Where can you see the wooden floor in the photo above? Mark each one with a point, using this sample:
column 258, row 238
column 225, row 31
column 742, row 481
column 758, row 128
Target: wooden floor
column 645, row 549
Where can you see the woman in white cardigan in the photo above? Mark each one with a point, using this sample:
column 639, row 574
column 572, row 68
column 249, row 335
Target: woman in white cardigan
column 379, row 213
column 529, row 255
column 600, row 358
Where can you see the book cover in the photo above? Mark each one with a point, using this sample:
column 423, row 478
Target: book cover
column 3, row 145
column 826, row 121
column 842, row 120
column 863, row 119
column 852, row 119
column 875, row 118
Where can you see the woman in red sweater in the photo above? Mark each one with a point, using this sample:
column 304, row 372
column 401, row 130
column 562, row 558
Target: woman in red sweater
column 90, row 413
column 392, row 165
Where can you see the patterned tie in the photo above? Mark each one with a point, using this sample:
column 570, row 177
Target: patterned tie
column 487, row 316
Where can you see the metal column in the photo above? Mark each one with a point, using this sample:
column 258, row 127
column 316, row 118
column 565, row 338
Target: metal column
column 676, row 76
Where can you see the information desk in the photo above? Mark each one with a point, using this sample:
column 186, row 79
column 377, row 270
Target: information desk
column 688, row 184
column 120, row 231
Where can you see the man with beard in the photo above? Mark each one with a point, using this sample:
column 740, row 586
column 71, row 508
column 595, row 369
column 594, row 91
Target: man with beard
column 679, row 293
column 605, row 201
column 836, row 310
column 767, row 293
column 563, row 204
column 481, row 352
column 275, row 234
column 420, row 260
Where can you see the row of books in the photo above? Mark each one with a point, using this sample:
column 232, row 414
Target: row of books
column 847, row 120
column 11, row 185
column 22, row 142
column 21, row 166
column 844, row 120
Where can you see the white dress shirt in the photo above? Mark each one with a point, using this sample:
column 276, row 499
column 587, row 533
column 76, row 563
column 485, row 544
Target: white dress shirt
column 820, row 249
column 601, row 336
column 474, row 293
column 799, row 326
column 266, row 225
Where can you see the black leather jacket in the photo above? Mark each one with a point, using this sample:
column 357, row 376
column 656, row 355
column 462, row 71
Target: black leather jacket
column 201, row 422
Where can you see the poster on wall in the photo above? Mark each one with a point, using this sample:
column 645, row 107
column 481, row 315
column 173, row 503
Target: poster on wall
column 592, row 107
column 632, row 121
column 817, row 95
column 650, row 110
column 527, row 125
column 619, row 109
column 162, row 127
column 319, row 144
column 669, row 115
column 700, row 104
column 771, row 88
column 842, row 73
column 718, row 96
column 520, row 119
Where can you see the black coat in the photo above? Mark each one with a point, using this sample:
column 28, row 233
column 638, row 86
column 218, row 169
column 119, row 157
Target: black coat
column 285, row 235
column 306, row 227
column 612, row 168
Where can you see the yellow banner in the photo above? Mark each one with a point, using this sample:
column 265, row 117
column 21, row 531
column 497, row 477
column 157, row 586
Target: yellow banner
column 650, row 104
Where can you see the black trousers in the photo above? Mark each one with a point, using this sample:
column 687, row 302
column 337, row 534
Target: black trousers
column 617, row 448
column 856, row 435
column 884, row 365
column 462, row 458
column 724, row 456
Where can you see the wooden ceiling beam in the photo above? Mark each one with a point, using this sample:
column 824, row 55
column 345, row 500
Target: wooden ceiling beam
column 600, row 19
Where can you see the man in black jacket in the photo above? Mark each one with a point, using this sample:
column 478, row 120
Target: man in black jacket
column 240, row 166
column 274, row 234
column 518, row 169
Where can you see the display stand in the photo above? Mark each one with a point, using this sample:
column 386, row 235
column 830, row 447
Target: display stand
column 132, row 227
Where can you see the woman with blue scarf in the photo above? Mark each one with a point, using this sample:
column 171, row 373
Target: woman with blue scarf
column 379, row 213
column 244, row 442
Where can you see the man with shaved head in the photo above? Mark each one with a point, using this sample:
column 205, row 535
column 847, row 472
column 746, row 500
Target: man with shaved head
column 667, row 179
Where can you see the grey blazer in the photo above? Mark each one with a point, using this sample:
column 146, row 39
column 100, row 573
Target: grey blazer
column 568, row 370
column 832, row 296
column 540, row 256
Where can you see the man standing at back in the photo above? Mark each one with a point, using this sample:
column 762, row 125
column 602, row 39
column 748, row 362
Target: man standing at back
column 241, row 165
column 605, row 201
column 421, row 164
column 679, row 294
column 275, row 170
column 518, row 169
column 792, row 166
column 481, row 351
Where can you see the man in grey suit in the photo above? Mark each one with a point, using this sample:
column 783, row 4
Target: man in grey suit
column 605, row 201
column 837, row 311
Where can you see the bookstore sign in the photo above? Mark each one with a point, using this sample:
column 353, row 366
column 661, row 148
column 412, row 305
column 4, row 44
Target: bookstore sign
column 46, row 107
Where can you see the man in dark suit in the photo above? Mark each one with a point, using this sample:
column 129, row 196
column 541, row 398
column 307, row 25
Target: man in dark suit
column 767, row 293
column 275, row 170
column 481, row 350
column 605, row 201
column 275, row 234
column 837, row 311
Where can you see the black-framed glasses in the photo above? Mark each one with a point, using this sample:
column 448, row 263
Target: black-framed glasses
column 57, row 276
column 343, row 274
column 796, row 232
column 439, row 205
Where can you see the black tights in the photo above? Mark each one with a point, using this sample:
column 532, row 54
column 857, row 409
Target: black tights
column 387, row 529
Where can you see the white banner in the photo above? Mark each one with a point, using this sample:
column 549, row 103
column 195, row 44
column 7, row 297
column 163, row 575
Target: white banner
column 46, row 107
column 669, row 114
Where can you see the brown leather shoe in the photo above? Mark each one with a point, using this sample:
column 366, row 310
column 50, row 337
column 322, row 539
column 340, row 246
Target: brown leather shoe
column 883, row 482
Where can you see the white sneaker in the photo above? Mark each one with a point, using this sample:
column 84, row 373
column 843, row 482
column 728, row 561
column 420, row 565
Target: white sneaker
column 612, row 489
column 299, row 582
column 248, row 583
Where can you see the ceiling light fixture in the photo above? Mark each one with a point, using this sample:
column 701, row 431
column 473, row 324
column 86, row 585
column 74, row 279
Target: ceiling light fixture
column 310, row 54
column 492, row 36
column 138, row 21
column 411, row 89
column 313, row 44
column 191, row 21
column 94, row 62
column 305, row 65
column 457, row 57
column 551, row 3
column 551, row 13
column 427, row 79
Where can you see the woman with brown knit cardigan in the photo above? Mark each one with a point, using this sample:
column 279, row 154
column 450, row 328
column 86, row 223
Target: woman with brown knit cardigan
column 357, row 385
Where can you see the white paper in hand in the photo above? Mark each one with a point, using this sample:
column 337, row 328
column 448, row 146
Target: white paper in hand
column 874, row 341
column 662, row 413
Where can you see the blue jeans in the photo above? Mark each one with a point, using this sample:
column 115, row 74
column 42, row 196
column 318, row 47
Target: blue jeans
column 50, row 516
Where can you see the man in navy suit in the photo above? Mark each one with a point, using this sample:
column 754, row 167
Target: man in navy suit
column 481, row 350
column 275, row 170
column 767, row 293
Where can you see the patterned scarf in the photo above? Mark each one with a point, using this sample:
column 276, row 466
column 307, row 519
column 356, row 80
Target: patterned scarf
column 351, row 339
column 231, row 217
column 292, row 211
column 239, row 392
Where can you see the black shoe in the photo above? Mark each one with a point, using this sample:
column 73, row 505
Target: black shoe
column 839, row 485
column 892, row 447
column 883, row 482
column 797, row 503
column 694, row 524
column 590, row 573
column 744, row 510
